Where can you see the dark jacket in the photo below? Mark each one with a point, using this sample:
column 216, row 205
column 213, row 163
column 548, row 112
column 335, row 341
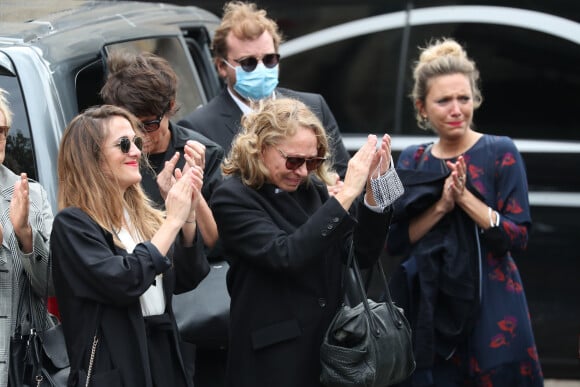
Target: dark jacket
column 286, row 252
column 214, row 155
column 98, row 287
column 219, row 120
column 442, row 272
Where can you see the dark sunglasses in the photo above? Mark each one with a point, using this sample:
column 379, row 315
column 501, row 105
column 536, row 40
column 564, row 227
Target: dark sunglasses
column 250, row 63
column 125, row 144
column 153, row 125
column 295, row 162
column 4, row 131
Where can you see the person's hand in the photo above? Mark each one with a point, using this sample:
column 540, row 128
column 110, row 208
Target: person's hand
column 196, row 151
column 165, row 178
column 454, row 186
column 194, row 173
column 20, row 204
column 382, row 158
column 357, row 173
column 335, row 188
column 19, row 211
column 179, row 198
column 458, row 178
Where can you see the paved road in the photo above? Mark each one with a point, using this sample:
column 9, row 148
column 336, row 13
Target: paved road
column 561, row 383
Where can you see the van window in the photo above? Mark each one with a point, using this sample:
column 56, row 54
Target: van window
column 526, row 76
column 90, row 78
column 19, row 151
column 190, row 93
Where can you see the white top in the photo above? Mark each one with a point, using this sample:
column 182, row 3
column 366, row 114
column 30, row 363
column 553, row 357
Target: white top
column 153, row 300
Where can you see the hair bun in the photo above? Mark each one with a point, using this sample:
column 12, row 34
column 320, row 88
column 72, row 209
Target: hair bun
column 440, row 48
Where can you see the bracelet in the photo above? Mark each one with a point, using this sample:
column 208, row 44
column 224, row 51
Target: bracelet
column 491, row 223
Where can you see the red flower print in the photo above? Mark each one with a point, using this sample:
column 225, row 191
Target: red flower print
column 498, row 340
column 532, row 351
column 525, row 368
column 507, row 160
column 479, row 186
column 513, row 207
column 509, row 230
column 497, row 275
column 474, row 171
column 485, row 381
column 419, row 153
column 474, row 365
column 508, row 324
column 513, row 286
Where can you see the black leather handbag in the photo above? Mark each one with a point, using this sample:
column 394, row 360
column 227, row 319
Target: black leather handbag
column 38, row 357
column 203, row 314
column 368, row 345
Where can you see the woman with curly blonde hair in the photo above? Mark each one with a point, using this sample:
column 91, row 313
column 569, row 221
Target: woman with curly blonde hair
column 287, row 240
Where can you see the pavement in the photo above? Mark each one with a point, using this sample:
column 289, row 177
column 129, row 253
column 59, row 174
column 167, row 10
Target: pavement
column 561, row 383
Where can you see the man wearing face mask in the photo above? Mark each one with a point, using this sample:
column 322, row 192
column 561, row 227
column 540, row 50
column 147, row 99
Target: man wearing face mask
column 245, row 49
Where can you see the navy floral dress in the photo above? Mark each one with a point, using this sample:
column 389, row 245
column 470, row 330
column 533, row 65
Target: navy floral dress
column 501, row 350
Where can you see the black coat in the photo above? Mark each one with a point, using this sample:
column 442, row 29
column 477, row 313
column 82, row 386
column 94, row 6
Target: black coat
column 286, row 252
column 98, row 283
column 441, row 274
column 219, row 120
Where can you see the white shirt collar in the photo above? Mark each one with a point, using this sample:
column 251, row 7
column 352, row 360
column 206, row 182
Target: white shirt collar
column 241, row 104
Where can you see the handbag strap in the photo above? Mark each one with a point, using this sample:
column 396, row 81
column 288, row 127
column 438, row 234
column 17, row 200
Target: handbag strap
column 20, row 311
column 353, row 263
column 92, row 358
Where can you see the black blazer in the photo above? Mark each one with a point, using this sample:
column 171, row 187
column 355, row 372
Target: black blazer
column 98, row 282
column 286, row 252
column 219, row 120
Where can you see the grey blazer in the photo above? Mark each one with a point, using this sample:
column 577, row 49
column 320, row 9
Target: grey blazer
column 17, row 269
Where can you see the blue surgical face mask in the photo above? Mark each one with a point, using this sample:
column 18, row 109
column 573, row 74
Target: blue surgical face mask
column 257, row 84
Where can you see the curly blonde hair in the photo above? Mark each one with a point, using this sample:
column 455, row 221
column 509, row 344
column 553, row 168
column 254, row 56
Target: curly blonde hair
column 442, row 57
column 272, row 121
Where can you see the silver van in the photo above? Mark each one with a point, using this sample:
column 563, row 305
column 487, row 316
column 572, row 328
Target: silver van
column 54, row 68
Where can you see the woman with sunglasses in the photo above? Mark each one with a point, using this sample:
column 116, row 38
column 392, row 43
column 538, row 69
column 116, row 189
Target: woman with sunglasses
column 287, row 240
column 118, row 260
column 146, row 85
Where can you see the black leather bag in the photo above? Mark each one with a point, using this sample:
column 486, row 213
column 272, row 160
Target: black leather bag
column 369, row 344
column 37, row 358
column 203, row 314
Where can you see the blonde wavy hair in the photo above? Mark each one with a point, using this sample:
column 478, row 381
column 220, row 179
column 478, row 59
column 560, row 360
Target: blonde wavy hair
column 83, row 183
column 442, row 57
column 246, row 22
column 272, row 121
